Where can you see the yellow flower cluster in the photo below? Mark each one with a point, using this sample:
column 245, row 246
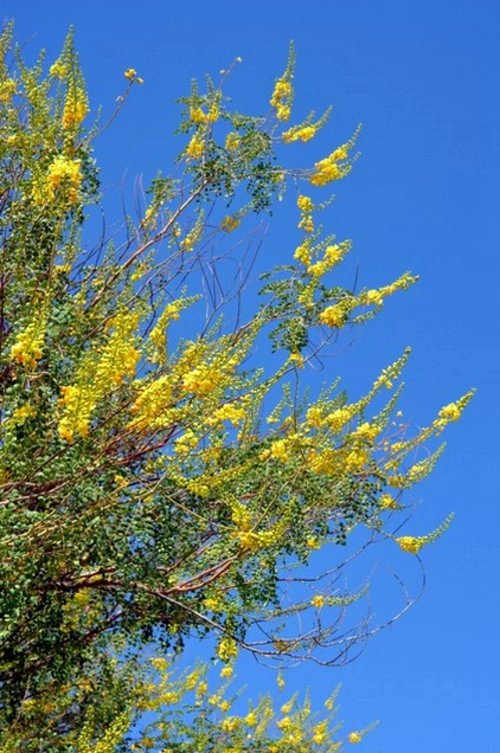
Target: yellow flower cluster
column 209, row 376
column 196, row 147
column 157, row 336
column 232, row 141
column 198, row 116
column 97, row 375
column 336, row 315
column 20, row 415
column 64, row 173
column 387, row 502
column 131, row 75
column 410, row 544
column 191, row 239
column 58, row 69
column 303, row 252
column 186, row 443
column 281, row 98
column 201, row 380
column 376, row 297
column 331, row 168
column 318, row 601
column 413, row 544
column 7, row 89
column 28, row 345
column 301, row 133
column 320, row 733
column 108, row 743
column 305, row 204
column 228, row 412
column 227, row 649
column 334, row 253
column 152, row 404
column 331, row 462
column 230, row 223
column 354, row 737
column 75, row 108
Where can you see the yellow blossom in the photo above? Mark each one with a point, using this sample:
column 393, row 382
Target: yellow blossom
column 28, row 346
column 58, row 69
column 354, row 737
column 312, row 542
column 232, row 141
column 229, row 223
column 7, row 89
column 63, row 173
column 320, row 733
column 387, row 502
column 20, row 415
column 305, row 203
column 305, row 133
column 228, row 412
column 130, row 74
column 318, row 601
column 374, row 297
column 450, row 412
column 196, row 147
column 411, row 544
column 227, row 649
column 75, row 108
column 336, row 315
column 279, row 450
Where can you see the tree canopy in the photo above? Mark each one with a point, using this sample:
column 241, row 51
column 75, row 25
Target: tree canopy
column 158, row 483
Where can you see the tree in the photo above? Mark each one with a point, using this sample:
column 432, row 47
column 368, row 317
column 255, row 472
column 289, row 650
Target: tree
column 148, row 492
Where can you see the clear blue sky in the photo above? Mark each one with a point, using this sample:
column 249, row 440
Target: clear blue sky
column 423, row 79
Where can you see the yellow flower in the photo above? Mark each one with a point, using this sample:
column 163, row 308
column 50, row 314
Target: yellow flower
column 320, row 733
column 387, row 502
column 336, row 315
column 226, row 671
column 297, row 359
column 28, row 346
column 312, row 542
column 196, row 147
column 305, row 133
column 227, row 649
column 159, row 663
column 305, row 203
column 75, row 109
column 318, row 601
column 354, row 737
column 232, row 141
column 410, row 544
column 130, row 74
column 374, row 297
column 229, row 223
column 197, row 115
column 20, row 415
column 63, row 173
column 7, row 89
column 58, row 69
column 278, row 450
column 450, row 412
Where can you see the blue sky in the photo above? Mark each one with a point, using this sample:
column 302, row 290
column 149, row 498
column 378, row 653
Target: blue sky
column 423, row 79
